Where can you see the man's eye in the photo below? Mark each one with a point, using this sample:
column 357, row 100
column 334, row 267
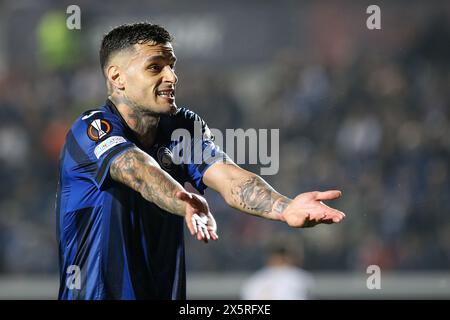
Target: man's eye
column 172, row 66
column 154, row 67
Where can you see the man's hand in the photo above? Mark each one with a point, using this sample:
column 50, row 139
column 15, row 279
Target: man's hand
column 199, row 219
column 308, row 210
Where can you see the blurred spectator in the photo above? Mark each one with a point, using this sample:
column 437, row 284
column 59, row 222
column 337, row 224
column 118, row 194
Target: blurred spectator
column 281, row 278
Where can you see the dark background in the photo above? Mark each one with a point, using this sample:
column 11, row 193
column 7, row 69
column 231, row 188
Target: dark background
column 365, row 111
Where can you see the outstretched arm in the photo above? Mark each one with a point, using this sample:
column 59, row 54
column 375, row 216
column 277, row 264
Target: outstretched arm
column 141, row 172
column 249, row 193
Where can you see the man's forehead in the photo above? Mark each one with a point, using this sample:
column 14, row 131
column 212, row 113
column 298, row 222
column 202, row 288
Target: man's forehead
column 150, row 49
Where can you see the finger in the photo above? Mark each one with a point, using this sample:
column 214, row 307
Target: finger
column 334, row 214
column 202, row 219
column 205, row 235
column 338, row 219
column 214, row 235
column 203, row 228
column 190, row 224
column 318, row 215
column 194, row 224
column 328, row 195
column 204, row 231
column 200, row 231
column 330, row 212
column 199, row 227
column 191, row 227
column 213, row 232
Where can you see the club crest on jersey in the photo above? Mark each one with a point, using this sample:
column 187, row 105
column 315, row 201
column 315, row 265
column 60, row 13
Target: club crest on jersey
column 165, row 158
column 98, row 129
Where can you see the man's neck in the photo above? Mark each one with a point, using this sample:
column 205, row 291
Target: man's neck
column 143, row 124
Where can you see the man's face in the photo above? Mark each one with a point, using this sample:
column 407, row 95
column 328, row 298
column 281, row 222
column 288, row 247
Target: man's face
column 149, row 77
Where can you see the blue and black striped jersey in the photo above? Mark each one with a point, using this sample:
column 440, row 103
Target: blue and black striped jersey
column 113, row 244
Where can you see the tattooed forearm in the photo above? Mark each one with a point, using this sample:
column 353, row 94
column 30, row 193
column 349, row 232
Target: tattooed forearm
column 255, row 196
column 140, row 172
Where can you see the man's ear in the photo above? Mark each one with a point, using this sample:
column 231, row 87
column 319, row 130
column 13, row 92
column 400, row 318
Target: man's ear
column 115, row 77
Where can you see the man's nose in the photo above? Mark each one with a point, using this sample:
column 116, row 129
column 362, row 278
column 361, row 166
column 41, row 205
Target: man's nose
column 169, row 75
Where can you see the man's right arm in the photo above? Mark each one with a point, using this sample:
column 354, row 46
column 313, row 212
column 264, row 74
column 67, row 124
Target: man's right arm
column 139, row 171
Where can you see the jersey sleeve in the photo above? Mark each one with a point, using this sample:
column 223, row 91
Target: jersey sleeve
column 94, row 141
column 203, row 151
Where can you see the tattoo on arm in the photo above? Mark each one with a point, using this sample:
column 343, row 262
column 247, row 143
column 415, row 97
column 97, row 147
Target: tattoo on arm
column 255, row 196
column 280, row 204
column 140, row 172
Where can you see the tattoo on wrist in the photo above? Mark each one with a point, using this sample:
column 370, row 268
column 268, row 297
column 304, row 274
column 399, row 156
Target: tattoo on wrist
column 254, row 195
column 280, row 205
column 257, row 197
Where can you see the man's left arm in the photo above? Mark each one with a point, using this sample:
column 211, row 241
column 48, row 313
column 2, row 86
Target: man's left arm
column 248, row 192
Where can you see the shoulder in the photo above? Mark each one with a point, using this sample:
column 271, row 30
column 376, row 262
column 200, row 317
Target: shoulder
column 89, row 116
column 95, row 123
column 184, row 118
column 91, row 129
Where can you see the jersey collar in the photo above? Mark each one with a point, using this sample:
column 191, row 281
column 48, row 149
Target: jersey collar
column 114, row 110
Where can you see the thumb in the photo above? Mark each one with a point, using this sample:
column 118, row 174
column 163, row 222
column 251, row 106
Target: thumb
column 329, row 195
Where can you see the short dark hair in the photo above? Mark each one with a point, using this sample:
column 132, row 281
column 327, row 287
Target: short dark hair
column 126, row 35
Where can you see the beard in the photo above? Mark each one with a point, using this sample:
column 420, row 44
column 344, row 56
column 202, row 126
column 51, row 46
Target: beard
column 149, row 110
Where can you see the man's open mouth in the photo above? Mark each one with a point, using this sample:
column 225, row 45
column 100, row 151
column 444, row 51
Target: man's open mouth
column 167, row 93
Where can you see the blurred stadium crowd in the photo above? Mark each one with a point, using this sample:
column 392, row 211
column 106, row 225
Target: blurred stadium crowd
column 363, row 111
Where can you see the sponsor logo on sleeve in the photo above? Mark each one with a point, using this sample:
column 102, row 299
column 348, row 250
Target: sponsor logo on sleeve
column 108, row 144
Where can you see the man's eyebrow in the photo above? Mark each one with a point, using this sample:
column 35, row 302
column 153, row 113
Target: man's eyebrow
column 161, row 57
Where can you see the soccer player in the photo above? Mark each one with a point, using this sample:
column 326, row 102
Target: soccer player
column 121, row 204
